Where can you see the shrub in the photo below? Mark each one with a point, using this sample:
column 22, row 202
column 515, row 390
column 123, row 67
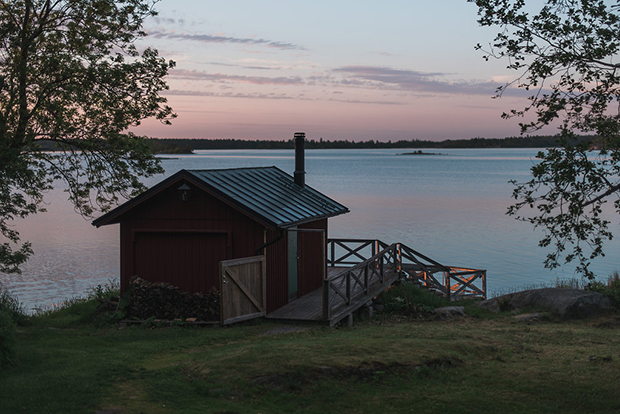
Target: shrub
column 409, row 299
column 571, row 283
column 11, row 314
column 13, row 307
column 7, row 339
column 108, row 291
column 611, row 289
column 80, row 310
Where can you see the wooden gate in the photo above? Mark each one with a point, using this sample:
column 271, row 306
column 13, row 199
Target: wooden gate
column 243, row 289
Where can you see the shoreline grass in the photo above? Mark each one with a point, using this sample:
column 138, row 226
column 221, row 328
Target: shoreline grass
column 563, row 283
column 67, row 361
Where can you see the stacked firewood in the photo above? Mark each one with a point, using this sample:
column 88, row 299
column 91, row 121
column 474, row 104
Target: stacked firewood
column 165, row 301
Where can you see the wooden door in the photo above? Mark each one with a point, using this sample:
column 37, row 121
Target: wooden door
column 243, row 289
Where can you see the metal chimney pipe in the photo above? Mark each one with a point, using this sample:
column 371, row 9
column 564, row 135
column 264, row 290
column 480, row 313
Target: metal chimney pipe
column 300, row 163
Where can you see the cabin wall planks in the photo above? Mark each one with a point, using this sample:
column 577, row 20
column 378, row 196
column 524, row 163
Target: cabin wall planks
column 182, row 242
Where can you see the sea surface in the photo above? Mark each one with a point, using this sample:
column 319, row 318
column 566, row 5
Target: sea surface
column 449, row 206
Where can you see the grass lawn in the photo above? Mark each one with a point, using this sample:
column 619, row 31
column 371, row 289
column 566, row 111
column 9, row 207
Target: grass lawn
column 66, row 364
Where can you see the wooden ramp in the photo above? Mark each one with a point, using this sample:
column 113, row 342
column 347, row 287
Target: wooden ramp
column 359, row 270
column 307, row 308
column 345, row 289
column 311, row 308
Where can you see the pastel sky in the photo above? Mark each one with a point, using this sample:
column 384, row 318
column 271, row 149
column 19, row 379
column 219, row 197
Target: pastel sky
column 337, row 69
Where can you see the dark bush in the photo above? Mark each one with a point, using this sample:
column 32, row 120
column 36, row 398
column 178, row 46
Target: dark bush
column 7, row 339
column 11, row 314
column 611, row 289
column 410, row 300
column 13, row 307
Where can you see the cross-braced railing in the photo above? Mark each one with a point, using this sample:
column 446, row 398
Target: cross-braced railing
column 349, row 252
column 366, row 278
column 461, row 283
column 373, row 261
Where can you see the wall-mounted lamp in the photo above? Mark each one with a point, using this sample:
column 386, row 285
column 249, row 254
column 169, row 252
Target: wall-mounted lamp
column 185, row 192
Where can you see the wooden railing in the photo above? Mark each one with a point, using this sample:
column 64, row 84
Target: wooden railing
column 374, row 261
column 348, row 252
column 452, row 282
column 464, row 285
column 365, row 278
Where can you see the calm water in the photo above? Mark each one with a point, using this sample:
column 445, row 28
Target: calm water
column 450, row 207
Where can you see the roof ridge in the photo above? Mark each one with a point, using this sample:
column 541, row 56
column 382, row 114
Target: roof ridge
column 233, row 169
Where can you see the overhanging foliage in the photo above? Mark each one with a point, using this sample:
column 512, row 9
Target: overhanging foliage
column 566, row 54
column 70, row 73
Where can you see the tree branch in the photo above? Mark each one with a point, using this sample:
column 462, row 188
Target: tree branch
column 607, row 193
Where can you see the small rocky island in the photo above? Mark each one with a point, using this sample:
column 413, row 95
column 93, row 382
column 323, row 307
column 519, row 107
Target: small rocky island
column 420, row 152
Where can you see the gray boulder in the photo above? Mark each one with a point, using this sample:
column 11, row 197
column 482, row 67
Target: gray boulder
column 449, row 312
column 565, row 303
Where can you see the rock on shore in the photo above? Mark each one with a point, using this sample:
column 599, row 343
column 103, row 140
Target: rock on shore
column 564, row 303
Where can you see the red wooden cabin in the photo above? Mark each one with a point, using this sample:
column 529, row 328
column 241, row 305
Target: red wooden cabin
column 179, row 230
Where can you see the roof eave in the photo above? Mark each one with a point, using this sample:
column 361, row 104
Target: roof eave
column 311, row 219
column 111, row 216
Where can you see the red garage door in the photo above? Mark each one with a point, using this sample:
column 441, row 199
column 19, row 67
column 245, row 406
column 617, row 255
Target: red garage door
column 189, row 260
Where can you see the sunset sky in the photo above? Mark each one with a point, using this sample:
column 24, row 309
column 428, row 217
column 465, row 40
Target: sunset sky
column 337, row 69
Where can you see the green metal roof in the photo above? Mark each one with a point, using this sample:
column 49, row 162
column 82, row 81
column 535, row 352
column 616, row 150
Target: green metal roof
column 271, row 194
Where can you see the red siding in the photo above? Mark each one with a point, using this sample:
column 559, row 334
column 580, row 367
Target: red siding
column 182, row 243
column 165, row 234
column 186, row 260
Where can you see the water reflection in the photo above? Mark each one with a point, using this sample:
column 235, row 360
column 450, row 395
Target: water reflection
column 70, row 255
column 450, row 207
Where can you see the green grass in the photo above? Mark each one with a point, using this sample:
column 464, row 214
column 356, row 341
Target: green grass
column 79, row 310
column 66, row 362
column 408, row 299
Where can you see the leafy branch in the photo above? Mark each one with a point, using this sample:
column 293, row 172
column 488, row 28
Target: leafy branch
column 566, row 54
column 70, row 74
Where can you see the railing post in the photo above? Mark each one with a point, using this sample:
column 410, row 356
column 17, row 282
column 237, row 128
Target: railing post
column 348, row 287
column 448, row 292
column 332, row 245
column 324, row 254
column 381, row 275
column 326, row 307
column 366, row 278
column 484, row 285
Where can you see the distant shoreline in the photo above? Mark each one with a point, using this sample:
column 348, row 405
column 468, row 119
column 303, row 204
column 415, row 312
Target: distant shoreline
column 189, row 145
column 546, row 141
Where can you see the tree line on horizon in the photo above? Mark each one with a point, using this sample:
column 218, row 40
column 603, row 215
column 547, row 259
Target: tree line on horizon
column 187, row 145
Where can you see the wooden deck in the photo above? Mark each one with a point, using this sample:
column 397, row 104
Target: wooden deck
column 359, row 270
column 310, row 308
